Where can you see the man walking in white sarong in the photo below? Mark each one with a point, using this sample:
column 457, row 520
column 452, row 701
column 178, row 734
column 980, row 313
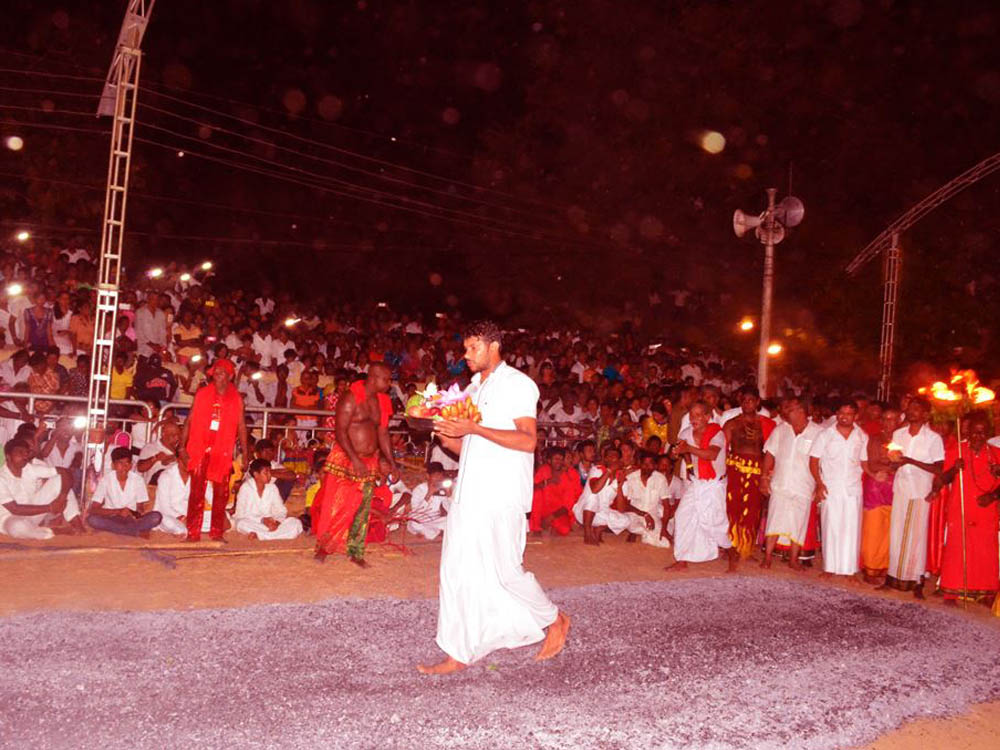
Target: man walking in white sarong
column 837, row 461
column 487, row 600
column 701, row 526
column 919, row 452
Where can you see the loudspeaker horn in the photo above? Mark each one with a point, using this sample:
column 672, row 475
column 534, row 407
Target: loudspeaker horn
column 743, row 223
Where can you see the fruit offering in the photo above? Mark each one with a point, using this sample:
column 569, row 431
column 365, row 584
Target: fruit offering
column 431, row 403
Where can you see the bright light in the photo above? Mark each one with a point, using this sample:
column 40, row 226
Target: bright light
column 14, row 289
column 257, row 375
column 894, row 447
column 746, row 324
column 23, row 236
column 180, row 154
column 774, row 349
column 79, row 422
column 383, row 304
column 206, row 266
column 196, row 358
column 447, row 483
column 185, row 277
column 14, row 143
column 712, row 141
column 155, row 273
column 289, row 322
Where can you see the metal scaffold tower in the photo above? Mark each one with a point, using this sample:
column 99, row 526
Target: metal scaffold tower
column 118, row 100
column 888, row 242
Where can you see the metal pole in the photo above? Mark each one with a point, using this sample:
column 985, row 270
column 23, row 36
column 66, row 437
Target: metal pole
column 890, row 296
column 765, row 307
column 961, row 500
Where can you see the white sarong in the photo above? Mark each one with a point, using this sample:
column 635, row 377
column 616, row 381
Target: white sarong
column 700, row 523
column 840, row 519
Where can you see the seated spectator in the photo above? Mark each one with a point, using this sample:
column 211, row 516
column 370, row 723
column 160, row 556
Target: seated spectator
column 157, row 455
column 283, row 478
column 64, row 450
column 647, row 495
column 186, row 337
column 428, row 504
column 171, row 500
column 260, row 513
column 42, row 380
column 78, row 379
column 15, row 370
column 557, row 488
column 36, row 501
column 595, row 506
column 153, row 382
column 120, row 498
column 52, row 360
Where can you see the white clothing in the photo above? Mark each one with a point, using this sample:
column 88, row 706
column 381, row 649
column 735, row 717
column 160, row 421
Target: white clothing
column 910, row 485
column 110, row 494
column 262, row 346
column 11, row 377
column 647, row 497
column 737, row 410
column 171, row 500
column 252, row 507
column 60, row 332
column 148, row 451
column 578, row 369
column 425, row 514
column 701, row 525
column 38, row 485
column 791, row 458
column 718, row 439
column 559, row 414
column 439, row 455
column 63, row 460
column 599, row 503
column 792, row 483
column 150, row 329
column 487, row 599
column 840, row 462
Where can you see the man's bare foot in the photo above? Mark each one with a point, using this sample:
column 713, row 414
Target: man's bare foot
column 360, row 562
column 555, row 639
column 632, row 537
column 448, row 666
column 590, row 539
column 918, row 593
column 765, row 563
column 253, row 536
column 796, row 566
column 320, row 556
column 824, row 574
column 734, row 561
column 679, row 565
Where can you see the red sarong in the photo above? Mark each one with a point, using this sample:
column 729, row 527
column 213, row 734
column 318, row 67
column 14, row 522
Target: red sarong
column 339, row 498
column 743, row 501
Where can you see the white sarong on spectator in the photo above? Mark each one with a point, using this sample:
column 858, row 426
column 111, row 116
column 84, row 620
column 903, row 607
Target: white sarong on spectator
column 599, row 503
column 253, row 507
column 700, row 523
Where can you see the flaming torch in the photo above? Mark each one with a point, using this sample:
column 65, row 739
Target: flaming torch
column 960, row 395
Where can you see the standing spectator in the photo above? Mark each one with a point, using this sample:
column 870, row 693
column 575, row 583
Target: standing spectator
column 38, row 324
column 151, row 327
column 210, row 432
column 81, row 328
column 78, row 382
column 61, row 317
column 42, row 380
column 154, row 382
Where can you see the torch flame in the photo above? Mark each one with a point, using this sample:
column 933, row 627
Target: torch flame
column 963, row 383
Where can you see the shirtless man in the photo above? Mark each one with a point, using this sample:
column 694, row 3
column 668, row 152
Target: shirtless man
column 745, row 436
column 352, row 468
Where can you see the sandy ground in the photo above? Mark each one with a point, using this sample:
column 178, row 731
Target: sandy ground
column 103, row 572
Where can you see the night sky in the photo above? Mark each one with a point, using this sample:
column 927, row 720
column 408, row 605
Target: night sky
column 541, row 156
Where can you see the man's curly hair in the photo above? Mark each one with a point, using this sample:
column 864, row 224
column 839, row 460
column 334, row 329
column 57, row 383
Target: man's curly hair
column 486, row 330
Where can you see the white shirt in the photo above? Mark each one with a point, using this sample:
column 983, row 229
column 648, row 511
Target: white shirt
column 490, row 475
column 840, row 458
column 254, row 506
column 21, row 489
column 10, row 377
column 424, row 507
column 150, row 328
column 647, row 497
column 606, row 495
column 578, row 369
column 58, row 459
column 172, row 494
column 148, row 451
column 559, row 414
column 110, row 493
column 927, row 447
column 791, row 458
column 718, row 439
column 262, row 346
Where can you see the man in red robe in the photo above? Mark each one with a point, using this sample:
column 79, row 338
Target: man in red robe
column 342, row 506
column 976, row 461
column 210, row 433
column 557, row 489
